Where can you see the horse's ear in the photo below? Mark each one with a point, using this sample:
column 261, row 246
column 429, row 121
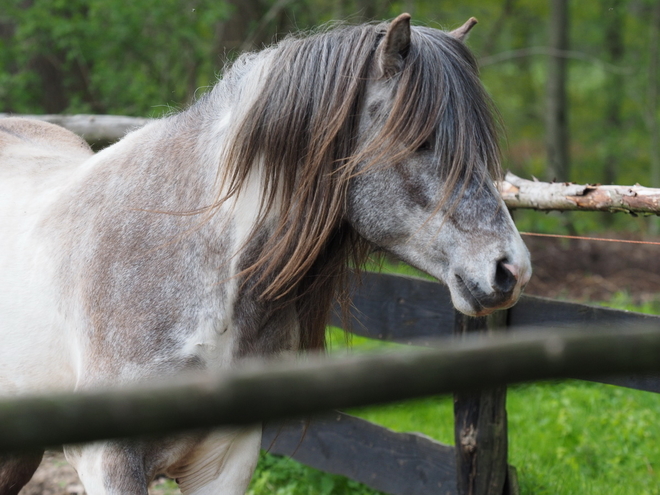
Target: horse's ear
column 462, row 32
column 394, row 47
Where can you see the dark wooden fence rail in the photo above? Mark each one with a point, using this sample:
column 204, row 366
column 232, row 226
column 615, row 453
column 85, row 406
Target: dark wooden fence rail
column 398, row 463
column 392, row 308
column 410, row 310
column 257, row 391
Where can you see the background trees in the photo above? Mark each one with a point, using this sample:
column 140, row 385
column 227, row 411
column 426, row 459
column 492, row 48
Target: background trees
column 146, row 58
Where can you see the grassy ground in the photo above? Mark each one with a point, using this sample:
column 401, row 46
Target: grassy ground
column 565, row 438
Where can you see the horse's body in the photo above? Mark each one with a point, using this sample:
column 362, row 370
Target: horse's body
column 108, row 278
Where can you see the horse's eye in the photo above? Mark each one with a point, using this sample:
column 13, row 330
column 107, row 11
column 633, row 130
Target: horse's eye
column 425, row 146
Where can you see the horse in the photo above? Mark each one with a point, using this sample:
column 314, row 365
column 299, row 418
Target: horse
column 226, row 231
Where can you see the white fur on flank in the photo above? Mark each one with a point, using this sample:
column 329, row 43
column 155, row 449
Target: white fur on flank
column 34, row 330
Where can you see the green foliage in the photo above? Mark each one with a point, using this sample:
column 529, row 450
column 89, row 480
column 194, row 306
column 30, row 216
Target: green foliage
column 565, row 438
column 623, row 300
column 144, row 58
column 100, row 56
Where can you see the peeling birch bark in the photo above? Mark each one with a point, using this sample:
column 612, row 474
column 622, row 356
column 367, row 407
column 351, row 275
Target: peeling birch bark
column 565, row 196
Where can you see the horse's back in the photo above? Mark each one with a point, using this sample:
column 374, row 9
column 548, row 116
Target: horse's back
column 18, row 135
column 36, row 158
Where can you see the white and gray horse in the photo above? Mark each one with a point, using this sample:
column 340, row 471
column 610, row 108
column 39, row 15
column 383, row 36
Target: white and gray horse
column 226, row 231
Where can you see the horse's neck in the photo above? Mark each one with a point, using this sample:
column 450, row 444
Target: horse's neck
column 263, row 330
column 131, row 209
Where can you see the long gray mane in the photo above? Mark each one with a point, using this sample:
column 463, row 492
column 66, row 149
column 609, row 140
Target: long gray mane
column 294, row 111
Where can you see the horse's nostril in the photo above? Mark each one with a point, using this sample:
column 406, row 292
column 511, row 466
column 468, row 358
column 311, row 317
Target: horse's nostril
column 505, row 276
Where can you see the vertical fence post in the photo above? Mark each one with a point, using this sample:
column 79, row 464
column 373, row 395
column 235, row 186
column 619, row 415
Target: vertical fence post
column 481, row 427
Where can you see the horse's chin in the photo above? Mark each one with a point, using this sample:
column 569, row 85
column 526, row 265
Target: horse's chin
column 481, row 311
column 467, row 304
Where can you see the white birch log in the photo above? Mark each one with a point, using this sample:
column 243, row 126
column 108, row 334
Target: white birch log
column 566, row 196
column 92, row 128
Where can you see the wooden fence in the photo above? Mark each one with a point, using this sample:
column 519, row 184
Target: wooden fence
column 264, row 391
column 393, row 308
column 414, row 311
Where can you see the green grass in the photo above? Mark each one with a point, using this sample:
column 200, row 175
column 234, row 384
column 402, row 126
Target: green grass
column 277, row 475
column 623, row 300
column 565, row 438
column 578, row 437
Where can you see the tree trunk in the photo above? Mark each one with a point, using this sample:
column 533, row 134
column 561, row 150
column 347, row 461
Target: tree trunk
column 497, row 26
column 652, row 104
column 241, row 25
column 366, row 9
column 614, row 84
column 53, row 93
column 654, row 82
column 558, row 167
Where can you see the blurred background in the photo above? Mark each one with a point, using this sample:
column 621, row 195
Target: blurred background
column 576, row 82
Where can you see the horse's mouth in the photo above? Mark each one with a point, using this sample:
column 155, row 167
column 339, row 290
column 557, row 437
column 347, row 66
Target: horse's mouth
column 466, row 293
column 482, row 304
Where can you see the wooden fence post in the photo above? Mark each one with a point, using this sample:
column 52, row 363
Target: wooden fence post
column 481, row 427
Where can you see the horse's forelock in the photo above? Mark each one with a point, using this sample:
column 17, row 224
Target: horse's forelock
column 439, row 97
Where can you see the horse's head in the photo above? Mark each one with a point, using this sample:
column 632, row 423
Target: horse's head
column 378, row 134
column 423, row 190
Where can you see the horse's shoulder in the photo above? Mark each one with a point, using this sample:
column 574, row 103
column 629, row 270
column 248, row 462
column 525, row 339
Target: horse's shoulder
column 16, row 131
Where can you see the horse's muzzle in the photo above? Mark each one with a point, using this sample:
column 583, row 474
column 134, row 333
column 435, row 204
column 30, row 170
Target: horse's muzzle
column 508, row 282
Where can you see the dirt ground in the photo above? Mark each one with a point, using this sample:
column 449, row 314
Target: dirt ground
column 589, row 271
column 574, row 270
column 56, row 477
